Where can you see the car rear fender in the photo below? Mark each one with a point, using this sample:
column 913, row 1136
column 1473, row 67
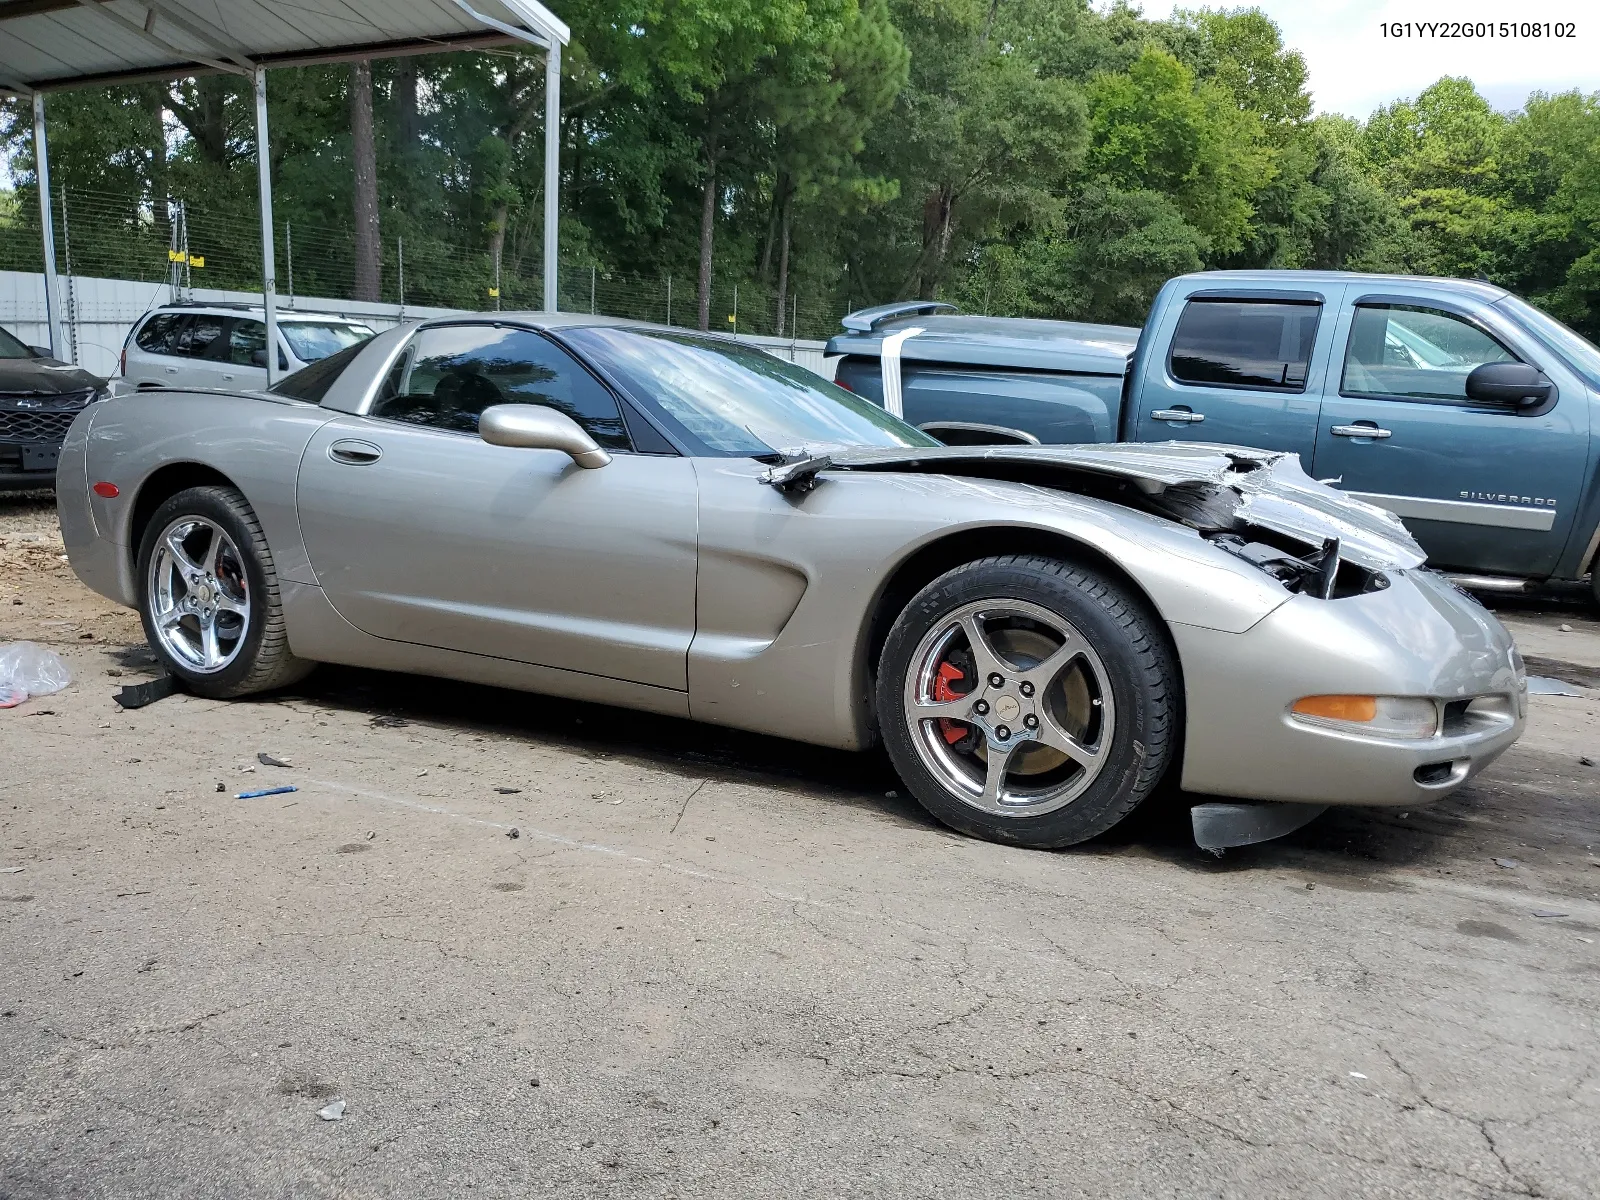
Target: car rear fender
column 150, row 445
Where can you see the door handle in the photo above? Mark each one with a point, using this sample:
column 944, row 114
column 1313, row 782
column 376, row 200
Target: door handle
column 1360, row 431
column 228, row 378
column 1181, row 416
column 353, row 453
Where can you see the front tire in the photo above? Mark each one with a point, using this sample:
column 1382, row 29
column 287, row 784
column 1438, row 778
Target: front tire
column 208, row 596
column 1028, row 700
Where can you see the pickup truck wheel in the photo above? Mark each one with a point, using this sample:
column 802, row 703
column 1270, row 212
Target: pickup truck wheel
column 1028, row 700
column 209, row 596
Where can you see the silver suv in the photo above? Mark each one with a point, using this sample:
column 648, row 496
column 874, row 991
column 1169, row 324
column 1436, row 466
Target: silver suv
column 225, row 345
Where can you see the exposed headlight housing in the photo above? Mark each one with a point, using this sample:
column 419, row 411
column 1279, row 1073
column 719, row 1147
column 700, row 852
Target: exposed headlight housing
column 1407, row 717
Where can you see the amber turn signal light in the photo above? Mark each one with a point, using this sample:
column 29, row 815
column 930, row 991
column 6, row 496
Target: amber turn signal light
column 1374, row 716
column 1338, row 708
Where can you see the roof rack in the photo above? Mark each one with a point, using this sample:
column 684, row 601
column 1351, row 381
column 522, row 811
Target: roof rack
column 284, row 314
column 233, row 305
column 867, row 319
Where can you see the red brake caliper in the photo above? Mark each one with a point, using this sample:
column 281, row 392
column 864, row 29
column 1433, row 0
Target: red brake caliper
column 943, row 693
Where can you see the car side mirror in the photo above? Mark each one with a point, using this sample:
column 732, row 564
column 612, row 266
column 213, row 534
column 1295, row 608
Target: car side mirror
column 40, row 351
column 258, row 358
column 535, row 427
column 1509, row 384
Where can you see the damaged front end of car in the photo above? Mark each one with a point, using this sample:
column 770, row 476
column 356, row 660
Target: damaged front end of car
column 1257, row 505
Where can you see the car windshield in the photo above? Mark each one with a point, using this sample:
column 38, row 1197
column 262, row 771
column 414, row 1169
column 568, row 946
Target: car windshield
column 735, row 400
column 314, row 340
column 10, row 347
column 1580, row 354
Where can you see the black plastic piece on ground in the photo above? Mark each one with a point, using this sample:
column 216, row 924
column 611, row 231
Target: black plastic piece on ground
column 137, row 695
column 1218, row 826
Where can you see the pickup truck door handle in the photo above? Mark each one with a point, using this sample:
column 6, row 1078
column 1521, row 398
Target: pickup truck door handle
column 353, row 453
column 1360, row 430
column 1181, row 416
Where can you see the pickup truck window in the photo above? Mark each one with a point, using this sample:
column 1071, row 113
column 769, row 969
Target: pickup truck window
column 1415, row 353
column 1244, row 343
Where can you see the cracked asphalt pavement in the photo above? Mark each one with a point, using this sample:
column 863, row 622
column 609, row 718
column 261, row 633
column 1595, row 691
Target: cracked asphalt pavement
column 716, row 965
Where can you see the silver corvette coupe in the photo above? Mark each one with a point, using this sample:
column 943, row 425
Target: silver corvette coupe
column 684, row 524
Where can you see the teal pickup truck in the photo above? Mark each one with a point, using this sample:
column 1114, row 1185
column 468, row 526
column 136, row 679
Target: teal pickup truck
column 1460, row 408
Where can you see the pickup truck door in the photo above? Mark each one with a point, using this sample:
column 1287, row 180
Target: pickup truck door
column 1244, row 367
column 421, row 532
column 1482, row 487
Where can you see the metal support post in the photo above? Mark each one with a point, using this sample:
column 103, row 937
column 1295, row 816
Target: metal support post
column 552, row 169
column 47, row 229
column 269, row 279
column 71, row 305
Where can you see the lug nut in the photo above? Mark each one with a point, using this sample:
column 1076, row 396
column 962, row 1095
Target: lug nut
column 1002, row 732
column 1026, row 689
column 997, row 680
column 981, row 707
column 1031, row 721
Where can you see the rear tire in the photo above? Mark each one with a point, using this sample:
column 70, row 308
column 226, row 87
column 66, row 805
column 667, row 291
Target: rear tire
column 1028, row 700
column 208, row 596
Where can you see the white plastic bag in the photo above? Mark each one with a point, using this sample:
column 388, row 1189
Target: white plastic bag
column 29, row 670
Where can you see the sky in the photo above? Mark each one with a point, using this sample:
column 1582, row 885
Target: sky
column 1354, row 68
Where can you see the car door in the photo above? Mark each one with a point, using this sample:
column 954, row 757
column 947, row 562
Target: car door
column 1243, row 367
column 421, row 532
column 245, row 356
column 153, row 359
column 1482, row 487
column 201, row 351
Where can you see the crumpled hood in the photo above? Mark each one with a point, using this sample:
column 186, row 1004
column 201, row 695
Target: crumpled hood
column 1200, row 484
column 44, row 377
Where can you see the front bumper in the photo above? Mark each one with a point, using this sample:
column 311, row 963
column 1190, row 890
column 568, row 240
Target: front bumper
column 1419, row 637
column 28, row 465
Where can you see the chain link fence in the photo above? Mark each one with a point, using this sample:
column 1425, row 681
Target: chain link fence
column 118, row 237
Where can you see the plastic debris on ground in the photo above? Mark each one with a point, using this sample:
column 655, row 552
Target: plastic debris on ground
column 334, row 1111
column 266, row 760
column 277, row 791
column 1542, row 685
column 137, row 695
column 28, row 670
column 1505, row 864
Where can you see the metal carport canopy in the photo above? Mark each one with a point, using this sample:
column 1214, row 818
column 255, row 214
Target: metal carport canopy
column 48, row 45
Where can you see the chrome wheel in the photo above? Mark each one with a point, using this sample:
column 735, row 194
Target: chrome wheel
column 199, row 595
column 1009, row 707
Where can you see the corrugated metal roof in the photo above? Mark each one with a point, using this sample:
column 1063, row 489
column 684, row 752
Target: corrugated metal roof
column 68, row 43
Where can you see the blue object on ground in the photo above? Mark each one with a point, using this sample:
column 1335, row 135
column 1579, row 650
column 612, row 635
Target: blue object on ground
column 277, row 791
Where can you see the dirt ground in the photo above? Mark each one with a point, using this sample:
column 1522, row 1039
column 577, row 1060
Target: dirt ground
column 540, row 948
